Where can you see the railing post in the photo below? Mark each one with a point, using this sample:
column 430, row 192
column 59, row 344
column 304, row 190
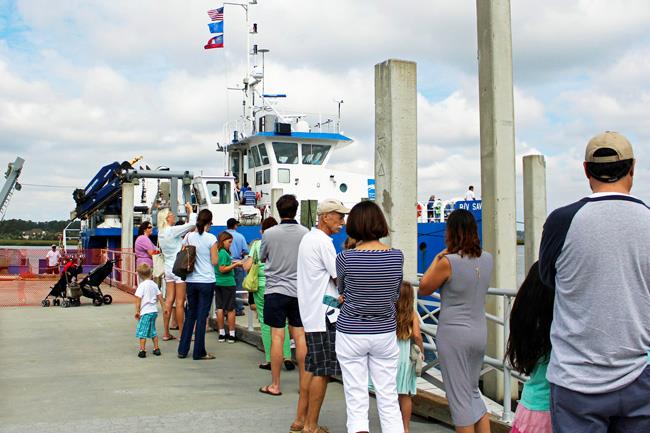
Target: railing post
column 507, row 380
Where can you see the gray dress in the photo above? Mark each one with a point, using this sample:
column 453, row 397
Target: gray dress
column 462, row 335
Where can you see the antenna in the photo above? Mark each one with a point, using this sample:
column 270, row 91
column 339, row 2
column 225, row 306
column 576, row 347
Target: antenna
column 338, row 122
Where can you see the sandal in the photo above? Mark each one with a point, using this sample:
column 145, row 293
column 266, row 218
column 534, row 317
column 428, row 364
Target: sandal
column 296, row 428
column 319, row 429
column 173, row 328
column 206, row 357
column 266, row 390
column 169, row 338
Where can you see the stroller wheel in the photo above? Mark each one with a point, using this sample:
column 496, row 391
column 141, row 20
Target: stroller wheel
column 65, row 303
column 56, row 302
column 108, row 299
column 45, row 303
column 97, row 302
column 76, row 302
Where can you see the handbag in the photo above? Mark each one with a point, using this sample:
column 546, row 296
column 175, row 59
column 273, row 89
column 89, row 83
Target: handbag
column 251, row 282
column 184, row 263
column 415, row 356
column 158, row 264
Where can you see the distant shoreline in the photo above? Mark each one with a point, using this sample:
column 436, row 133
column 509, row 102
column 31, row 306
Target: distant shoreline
column 28, row 242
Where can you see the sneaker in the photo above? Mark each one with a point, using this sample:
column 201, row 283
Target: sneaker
column 156, row 352
column 142, row 354
column 240, row 313
column 222, row 338
column 231, row 338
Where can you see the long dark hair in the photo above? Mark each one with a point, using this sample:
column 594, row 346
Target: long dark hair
column 530, row 323
column 405, row 311
column 462, row 234
column 222, row 238
column 203, row 219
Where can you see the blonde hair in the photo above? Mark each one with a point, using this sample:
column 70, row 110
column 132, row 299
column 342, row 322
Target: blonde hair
column 162, row 219
column 144, row 271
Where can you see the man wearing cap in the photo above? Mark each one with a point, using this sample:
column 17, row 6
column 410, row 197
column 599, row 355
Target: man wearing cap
column 316, row 278
column 594, row 252
column 238, row 250
column 53, row 257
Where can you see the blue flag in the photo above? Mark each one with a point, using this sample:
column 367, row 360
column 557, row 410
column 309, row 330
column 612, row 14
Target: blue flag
column 216, row 27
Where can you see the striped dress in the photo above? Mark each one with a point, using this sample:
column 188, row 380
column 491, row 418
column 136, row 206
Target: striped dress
column 370, row 282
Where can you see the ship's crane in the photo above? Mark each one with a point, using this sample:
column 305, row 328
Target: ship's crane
column 11, row 184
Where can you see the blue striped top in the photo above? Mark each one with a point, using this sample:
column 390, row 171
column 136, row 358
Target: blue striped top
column 370, row 281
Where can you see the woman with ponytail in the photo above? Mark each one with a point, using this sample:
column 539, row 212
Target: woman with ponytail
column 200, row 287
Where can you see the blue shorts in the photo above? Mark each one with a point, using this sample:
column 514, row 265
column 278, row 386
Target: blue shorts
column 626, row 410
column 147, row 326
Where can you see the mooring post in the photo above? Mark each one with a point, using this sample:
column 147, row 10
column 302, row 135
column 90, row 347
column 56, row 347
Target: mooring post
column 534, row 205
column 497, row 162
column 128, row 261
column 396, row 156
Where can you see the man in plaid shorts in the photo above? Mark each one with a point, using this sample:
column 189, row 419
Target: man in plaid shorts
column 316, row 291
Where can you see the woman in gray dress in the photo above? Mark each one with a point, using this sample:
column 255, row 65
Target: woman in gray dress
column 462, row 272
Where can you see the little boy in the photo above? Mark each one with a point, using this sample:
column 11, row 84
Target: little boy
column 146, row 310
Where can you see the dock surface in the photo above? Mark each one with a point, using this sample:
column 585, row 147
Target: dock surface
column 77, row 370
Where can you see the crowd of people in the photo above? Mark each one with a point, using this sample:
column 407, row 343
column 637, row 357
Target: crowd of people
column 351, row 314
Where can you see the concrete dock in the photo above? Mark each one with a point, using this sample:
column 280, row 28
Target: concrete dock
column 76, row 370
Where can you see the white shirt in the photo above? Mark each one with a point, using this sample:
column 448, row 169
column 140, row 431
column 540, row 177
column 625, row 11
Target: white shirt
column 148, row 291
column 203, row 269
column 53, row 257
column 316, row 269
column 170, row 241
column 469, row 195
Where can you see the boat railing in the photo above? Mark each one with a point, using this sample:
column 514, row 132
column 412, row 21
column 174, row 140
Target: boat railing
column 428, row 310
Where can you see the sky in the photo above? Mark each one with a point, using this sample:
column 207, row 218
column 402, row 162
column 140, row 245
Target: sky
column 88, row 82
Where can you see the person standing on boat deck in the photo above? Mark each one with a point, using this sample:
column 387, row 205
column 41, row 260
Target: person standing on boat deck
column 200, row 287
column 462, row 272
column 53, row 258
column 170, row 237
column 316, row 278
column 369, row 279
column 144, row 249
column 238, row 251
column 279, row 251
column 237, row 191
column 469, row 195
column 248, row 197
column 594, row 252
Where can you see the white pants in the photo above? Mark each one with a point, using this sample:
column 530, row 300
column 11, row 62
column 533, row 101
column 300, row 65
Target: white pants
column 377, row 355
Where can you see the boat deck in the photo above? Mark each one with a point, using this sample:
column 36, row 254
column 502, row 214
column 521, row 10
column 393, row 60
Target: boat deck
column 76, row 370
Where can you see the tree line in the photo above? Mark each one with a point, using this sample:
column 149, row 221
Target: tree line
column 18, row 228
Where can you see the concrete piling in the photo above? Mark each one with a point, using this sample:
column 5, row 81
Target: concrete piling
column 534, row 205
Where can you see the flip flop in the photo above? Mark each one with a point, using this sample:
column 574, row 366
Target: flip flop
column 296, row 428
column 171, row 337
column 173, row 328
column 265, row 390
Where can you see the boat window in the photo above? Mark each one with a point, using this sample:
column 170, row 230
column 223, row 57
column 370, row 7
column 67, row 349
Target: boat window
column 284, row 175
column 258, row 178
column 219, row 192
column 235, row 161
column 314, row 153
column 249, row 157
column 256, row 156
column 264, row 154
column 267, row 176
column 286, row 153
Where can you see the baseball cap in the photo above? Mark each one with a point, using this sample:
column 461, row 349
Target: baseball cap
column 609, row 140
column 231, row 222
column 331, row 205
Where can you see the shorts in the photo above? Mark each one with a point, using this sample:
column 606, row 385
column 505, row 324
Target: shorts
column 147, row 326
column 531, row 421
column 279, row 308
column 321, row 352
column 224, row 298
column 171, row 277
column 626, row 410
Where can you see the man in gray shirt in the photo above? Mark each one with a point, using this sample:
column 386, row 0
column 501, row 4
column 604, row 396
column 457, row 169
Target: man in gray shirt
column 595, row 253
column 279, row 251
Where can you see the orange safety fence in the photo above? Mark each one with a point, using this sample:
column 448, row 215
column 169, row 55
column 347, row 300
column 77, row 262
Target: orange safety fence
column 26, row 277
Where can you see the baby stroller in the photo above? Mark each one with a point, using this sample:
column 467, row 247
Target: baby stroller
column 90, row 284
column 66, row 291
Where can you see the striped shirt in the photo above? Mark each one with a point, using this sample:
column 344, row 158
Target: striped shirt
column 370, row 282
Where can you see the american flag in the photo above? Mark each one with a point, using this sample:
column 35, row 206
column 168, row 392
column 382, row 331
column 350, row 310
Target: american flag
column 216, row 14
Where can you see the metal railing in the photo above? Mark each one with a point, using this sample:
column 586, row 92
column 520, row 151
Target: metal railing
column 430, row 309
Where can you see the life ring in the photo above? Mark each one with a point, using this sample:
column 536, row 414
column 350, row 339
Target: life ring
column 420, row 208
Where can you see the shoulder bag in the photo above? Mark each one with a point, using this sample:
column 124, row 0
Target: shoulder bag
column 251, row 282
column 184, row 263
column 158, row 263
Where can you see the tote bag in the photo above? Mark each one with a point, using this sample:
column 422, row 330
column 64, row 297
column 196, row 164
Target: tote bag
column 251, row 282
column 184, row 263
